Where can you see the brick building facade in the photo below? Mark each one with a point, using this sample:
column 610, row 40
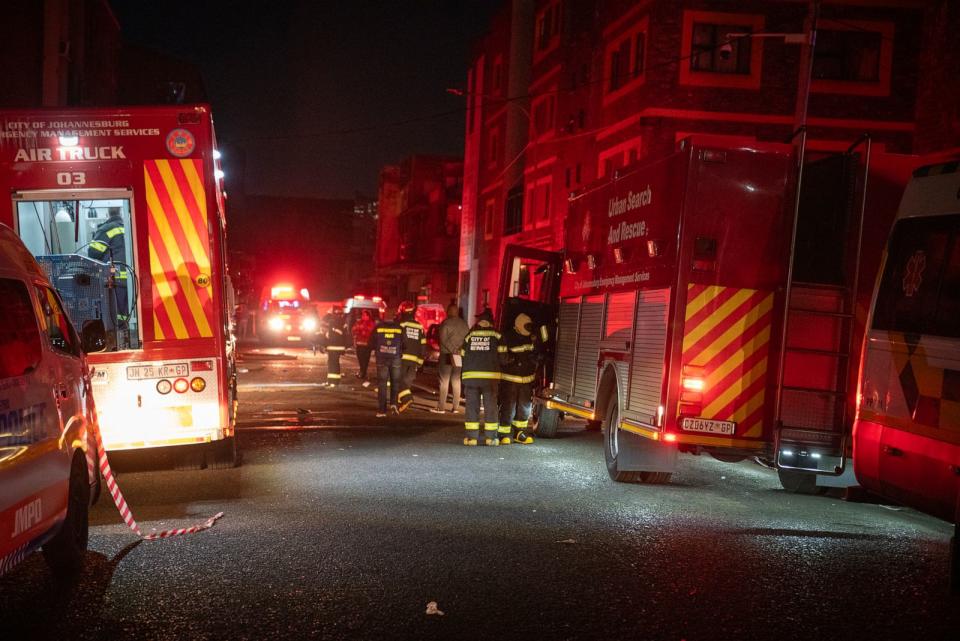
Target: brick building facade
column 418, row 229
column 565, row 92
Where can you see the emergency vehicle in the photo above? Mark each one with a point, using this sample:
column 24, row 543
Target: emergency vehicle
column 693, row 314
column 48, row 421
column 286, row 315
column 166, row 375
column 907, row 430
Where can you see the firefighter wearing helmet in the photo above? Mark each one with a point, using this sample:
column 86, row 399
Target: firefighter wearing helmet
column 482, row 354
column 516, row 381
column 336, row 340
column 414, row 347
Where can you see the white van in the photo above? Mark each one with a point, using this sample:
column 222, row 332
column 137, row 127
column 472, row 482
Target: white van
column 48, row 420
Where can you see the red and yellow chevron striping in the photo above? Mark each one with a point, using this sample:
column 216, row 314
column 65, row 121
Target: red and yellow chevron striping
column 727, row 333
column 179, row 249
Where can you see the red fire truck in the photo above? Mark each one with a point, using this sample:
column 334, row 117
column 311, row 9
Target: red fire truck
column 124, row 209
column 673, row 328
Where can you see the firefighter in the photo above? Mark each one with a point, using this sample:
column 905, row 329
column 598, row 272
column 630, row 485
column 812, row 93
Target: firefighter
column 482, row 353
column 388, row 350
column 516, row 381
column 336, row 339
column 414, row 346
column 109, row 246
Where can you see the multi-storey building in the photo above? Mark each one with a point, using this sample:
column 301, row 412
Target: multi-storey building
column 418, row 229
column 565, row 92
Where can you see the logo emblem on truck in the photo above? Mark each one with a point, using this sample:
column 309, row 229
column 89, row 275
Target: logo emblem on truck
column 181, row 143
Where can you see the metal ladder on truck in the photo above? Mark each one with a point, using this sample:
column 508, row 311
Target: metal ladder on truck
column 820, row 346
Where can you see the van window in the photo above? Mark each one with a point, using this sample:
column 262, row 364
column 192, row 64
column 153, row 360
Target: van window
column 20, row 348
column 58, row 328
column 920, row 290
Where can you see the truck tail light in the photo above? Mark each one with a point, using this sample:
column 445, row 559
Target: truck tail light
column 181, row 385
column 692, row 383
column 201, row 366
column 198, row 384
column 164, row 386
column 670, row 437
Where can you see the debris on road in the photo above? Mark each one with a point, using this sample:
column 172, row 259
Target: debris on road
column 433, row 609
column 567, row 541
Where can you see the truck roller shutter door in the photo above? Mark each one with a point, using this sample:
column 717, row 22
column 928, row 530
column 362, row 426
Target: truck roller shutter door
column 588, row 347
column 649, row 350
column 566, row 346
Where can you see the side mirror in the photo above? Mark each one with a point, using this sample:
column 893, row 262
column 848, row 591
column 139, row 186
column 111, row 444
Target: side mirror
column 93, row 337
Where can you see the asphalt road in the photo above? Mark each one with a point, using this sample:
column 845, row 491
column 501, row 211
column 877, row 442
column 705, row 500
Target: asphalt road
column 340, row 525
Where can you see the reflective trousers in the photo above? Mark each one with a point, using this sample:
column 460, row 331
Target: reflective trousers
column 516, row 399
column 333, row 365
column 407, row 377
column 478, row 391
column 388, row 373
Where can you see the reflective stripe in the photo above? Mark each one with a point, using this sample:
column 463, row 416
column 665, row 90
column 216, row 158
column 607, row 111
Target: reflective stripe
column 520, row 424
column 472, row 426
column 411, row 324
column 522, row 348
column 544, row 334
column 487, row 428
column 337, row 376
column 404, row 393
column 122, row 275
column 502, row 349
column 388, row 330
column 423, row 341
column 486, row 375
column 513, row 378
column 414, row 358
column 336, row 348
column 484, row 332
column 116, row 231
column 97, row 245
column 504, row 429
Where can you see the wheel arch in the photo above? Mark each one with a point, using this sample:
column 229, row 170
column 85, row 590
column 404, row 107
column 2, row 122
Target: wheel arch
column 610, row 387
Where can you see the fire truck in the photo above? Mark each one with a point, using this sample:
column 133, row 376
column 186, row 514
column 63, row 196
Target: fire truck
column 700, row 307
column 124, row 210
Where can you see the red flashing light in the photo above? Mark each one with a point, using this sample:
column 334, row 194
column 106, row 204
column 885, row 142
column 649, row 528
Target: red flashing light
column 670, row 437
column 201, row 366
column 359, row 297
column 181, row 385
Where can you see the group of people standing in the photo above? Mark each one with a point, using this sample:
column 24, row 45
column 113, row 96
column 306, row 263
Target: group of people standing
column 497, row 371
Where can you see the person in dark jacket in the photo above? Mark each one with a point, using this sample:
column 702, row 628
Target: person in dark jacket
column 414, row 346
column 337, row 340
column 388, row 350
column 109, row 246
column 516, row 382
column 482, row 354
column 362, row 337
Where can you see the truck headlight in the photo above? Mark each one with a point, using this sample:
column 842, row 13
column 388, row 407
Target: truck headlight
column 275, row 323
column 309, row 324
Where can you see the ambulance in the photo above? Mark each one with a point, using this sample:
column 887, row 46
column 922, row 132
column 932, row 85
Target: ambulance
column 906, row 436
column 124, row 210
column 48, row 421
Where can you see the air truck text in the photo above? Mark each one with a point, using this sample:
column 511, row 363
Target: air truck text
column 70, row 153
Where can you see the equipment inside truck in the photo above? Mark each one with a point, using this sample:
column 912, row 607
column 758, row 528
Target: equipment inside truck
column 75, row 239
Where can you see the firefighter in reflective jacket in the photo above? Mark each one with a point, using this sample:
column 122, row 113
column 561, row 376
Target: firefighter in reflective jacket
column 337, row 340
column 388, row 350
column 108, row 246
column 516, row 381
column 414, row 346
column 482, row 355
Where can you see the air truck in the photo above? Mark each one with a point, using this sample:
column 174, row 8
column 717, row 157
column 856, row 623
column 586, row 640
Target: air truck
column 692, row 314
column 125, row 211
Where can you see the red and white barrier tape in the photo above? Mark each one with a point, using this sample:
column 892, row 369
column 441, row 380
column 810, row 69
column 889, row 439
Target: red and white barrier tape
column 124, row 509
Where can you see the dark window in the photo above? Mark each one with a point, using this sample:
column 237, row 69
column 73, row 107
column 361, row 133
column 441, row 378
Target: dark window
column 639, row 49
column 705, row 54
column 513, row 212
column 620, row 65
column 920, row 289
column 497, row 76
column 545, row 212
column 852, row 56
column 494, row 149
column 567, row 178
column 20, row 348
column 578, row 174
column 548, row 26
column 59, row 329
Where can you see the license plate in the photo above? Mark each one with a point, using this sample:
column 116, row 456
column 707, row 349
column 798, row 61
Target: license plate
column 144, row 372
column 709, row 426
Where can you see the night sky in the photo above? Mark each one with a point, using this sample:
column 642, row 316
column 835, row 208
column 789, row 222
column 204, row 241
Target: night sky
column 310, row 89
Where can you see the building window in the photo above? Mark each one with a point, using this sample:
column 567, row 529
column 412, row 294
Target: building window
column 544, row 115
column 497, row 76
column 488, row 213
column 513, row 212
column 493, row 151
column 617, row 157
column 706, row 54
column 625, row 61
column 544, row 212
column 547, row 29
column 707, row 59
column 853, row 57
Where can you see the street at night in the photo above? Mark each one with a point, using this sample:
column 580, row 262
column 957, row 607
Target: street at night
column 348, row 526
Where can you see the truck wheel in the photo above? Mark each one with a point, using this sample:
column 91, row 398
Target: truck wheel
column 799, row 482
column 611, row 446
column 594, row 426
column 548, row 422
column 222, row 454
column 67, row 550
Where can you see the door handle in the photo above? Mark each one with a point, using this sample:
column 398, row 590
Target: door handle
column 892, row 451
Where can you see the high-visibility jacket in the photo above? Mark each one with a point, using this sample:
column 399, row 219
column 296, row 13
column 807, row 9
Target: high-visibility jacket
column 482, row 354
column 522, row 356
column 108, row 245
column 414, row 341
column 388, row 342
column 336, row 335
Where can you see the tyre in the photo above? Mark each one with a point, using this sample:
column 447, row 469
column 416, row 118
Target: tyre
column 594, row 426
column 611, row 446
column 66, row 551
column 548, row 422
column 728, row 458
column 799, row 482
column 222, row 454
